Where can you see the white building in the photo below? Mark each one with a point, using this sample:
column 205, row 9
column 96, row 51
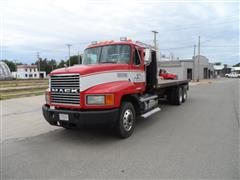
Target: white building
column 220, row 70
column 170, row 57
column 235, row 69
column 192, row 69
column 28, row 72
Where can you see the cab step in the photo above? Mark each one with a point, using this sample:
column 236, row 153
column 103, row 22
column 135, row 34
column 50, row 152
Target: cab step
column 149, row 113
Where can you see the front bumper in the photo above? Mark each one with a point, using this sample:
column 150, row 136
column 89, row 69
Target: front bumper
column 79, row 117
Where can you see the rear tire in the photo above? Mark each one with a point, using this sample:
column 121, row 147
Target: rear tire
column 184, row 96
column 177, row 96
column 127, row 120
column 169, row 97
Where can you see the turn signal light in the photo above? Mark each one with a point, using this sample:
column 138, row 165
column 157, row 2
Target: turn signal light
column 109, row 99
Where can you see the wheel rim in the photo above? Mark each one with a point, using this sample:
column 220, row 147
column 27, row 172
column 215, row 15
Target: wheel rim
column 185, row 95
column 180, row 96
column 127, row 120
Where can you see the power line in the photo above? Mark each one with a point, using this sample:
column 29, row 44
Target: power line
column 197, row 24
column 181, row 47
column 222, row 46
column 190, row 46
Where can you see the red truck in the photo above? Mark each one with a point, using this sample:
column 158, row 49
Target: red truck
column 116, row 83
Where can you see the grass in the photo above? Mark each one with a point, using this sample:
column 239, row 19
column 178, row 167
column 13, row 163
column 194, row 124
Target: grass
column 22, row 88
column 16, row 83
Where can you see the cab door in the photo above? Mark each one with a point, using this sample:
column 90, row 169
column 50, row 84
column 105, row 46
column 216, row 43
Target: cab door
column 137, row 69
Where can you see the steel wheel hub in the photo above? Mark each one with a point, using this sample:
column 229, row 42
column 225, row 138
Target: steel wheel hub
column 128, row 120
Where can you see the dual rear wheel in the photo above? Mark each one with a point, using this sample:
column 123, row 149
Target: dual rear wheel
column 177, row 95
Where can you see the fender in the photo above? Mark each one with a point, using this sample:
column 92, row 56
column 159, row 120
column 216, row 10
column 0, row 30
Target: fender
column 117, row 88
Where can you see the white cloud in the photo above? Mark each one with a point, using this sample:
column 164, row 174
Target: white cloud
column 46, row 26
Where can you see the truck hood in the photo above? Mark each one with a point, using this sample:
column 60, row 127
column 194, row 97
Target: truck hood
column 90, row 69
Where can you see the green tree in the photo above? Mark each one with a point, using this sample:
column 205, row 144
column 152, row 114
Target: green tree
column 11, row 65
column 236, row 65
column 49, row 65
column 46, row 65
column 61, row 64
column 53, row 64
column 74, row 60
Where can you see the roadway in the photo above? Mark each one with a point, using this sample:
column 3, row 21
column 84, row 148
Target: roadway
column 199, row 139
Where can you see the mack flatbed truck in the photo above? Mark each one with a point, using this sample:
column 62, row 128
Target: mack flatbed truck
column 116, row 83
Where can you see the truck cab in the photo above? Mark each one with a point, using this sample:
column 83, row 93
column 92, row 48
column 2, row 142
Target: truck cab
column 117, row 82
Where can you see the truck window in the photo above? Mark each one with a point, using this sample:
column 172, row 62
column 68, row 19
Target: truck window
column 136, row 60
column 91, row 55
column 115, row 54
column 107, row 54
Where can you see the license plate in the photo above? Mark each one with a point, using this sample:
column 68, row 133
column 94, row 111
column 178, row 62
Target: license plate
column 63, row 117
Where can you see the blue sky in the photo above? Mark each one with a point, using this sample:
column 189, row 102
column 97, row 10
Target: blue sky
column 45, row 26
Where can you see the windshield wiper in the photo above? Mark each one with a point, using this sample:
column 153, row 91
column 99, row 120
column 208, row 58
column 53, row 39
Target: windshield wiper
column 108, row 62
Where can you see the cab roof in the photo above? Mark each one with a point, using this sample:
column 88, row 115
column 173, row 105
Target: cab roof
column 111, row 42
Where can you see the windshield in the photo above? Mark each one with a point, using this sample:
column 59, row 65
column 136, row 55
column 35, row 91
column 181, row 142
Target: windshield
column 107, row 54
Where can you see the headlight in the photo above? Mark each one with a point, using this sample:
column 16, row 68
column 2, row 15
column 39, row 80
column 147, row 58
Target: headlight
column 107, row 99
column 95, row 99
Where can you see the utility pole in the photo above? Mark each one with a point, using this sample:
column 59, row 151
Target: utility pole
column 69, row 46
column 38, row 58
column 155, row 39
column 194, row 61
column 198, row 57
column 156, row 53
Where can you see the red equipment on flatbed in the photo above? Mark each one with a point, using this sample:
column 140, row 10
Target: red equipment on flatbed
column 166, row 75
column 117, row 82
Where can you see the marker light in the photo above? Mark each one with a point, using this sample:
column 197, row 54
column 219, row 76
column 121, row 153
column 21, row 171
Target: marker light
column 109, row 99
column 123, row 38
column 94, row 42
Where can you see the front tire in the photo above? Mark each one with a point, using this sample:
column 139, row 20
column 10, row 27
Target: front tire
column 127, row 120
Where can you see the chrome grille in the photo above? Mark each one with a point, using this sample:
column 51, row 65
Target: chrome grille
column 65, row 89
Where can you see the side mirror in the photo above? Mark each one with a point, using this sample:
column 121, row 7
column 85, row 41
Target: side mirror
column 147, row 56
column 80, row 59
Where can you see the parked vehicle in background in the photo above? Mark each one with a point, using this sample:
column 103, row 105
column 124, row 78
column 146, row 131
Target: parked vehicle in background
column 166, row 75
column 232, row 75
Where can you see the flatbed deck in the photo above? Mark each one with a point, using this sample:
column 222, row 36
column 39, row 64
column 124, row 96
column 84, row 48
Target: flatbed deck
column 168, row 83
